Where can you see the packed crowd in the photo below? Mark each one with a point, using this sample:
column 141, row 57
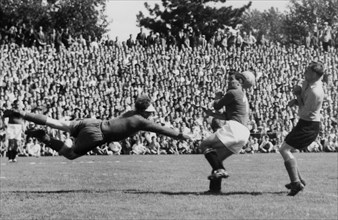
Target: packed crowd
column 100, row 79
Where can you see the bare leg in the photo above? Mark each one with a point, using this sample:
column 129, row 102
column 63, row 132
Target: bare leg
column 215, row 152
column 53, row 143
column 58, row 124
column 290, row 163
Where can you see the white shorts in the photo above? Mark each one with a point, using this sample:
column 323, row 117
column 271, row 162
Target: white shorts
column 233, row 135
column 14, row 131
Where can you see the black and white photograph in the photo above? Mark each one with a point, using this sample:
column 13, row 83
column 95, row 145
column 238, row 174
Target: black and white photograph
column 168, row 109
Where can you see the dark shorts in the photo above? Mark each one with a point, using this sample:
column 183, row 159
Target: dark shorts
column 303, row 134
column 87, row 134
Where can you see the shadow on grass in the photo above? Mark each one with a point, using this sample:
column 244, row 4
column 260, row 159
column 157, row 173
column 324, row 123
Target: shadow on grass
column 64, row 191
column 133, row 191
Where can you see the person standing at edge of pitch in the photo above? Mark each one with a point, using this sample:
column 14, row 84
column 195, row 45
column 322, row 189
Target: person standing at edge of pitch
column 233, row 134
column 309, row 99
column 15, row 126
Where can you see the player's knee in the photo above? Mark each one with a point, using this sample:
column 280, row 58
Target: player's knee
column 208, row 150
column 285, row 151
column 68, row 153
column 203, row 146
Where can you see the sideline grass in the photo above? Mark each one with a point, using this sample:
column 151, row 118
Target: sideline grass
column 165, row 187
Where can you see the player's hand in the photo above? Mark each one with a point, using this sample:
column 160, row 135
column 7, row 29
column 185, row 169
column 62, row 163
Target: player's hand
column 292, row 103
column 297, row 90
column 218, row 95
column 208, row 112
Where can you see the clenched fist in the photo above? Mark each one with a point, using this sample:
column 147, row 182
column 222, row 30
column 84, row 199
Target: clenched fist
column 297, row 90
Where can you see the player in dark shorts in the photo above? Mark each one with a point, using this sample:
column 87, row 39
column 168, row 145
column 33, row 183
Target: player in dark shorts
column 233, row 133
column 309, row 99
column 90, row 133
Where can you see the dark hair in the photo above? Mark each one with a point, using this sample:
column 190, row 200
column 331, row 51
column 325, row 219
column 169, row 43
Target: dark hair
column 142, row 103
column 317, row 67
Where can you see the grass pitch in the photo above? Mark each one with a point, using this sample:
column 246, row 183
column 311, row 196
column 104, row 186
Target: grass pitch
column 165, row 187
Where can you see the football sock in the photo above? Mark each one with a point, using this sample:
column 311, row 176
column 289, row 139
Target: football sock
column 215, row 184
column 212, row 158
column 37, row 119
column 9, row 154
column 291, row 167
column 15, row 152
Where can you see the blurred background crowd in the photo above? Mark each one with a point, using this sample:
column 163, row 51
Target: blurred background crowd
column 68, row 77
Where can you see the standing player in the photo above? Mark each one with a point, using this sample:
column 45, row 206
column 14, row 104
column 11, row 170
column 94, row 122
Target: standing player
column 90, row 133
column 14, row 132
column 309, row 99
column 234, row 134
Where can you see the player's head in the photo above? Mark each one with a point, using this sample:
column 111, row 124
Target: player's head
column 314, row 71
column 244, row 79
column 143, row 106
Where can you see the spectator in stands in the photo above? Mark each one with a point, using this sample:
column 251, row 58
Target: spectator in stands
column 238, row 39
column 33, row 147
column 141, row 38
column 64, row 74
column 51, row 39
column 266, row 146
column 171, row 40
column 12, row 35
column 154, row 146
column 330, row 144
column 81, row 41
column 251, row 40
column 315, row 37
column 41, row 39
column 58, row 40
column 130, row 41
column 31, row 38
column 66, row 38
column 20, row 37
column 326, row 36
column 139, row 147
column 251, row 147
column 151, row 38
column 115, row 148
column 315, row 146
column 263, row 40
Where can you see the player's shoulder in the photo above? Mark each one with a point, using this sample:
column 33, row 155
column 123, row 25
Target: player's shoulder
column 236, row 92
column 134, row 116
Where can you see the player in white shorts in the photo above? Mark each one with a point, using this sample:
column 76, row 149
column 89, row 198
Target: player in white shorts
column 14, row 134
column 234, row 134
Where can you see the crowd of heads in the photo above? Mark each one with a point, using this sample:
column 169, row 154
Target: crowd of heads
column 103, row 79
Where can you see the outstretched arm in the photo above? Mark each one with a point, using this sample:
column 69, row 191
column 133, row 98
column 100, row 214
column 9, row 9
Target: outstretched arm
column 211, row 113
column 159, row 129
column 216, row 115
